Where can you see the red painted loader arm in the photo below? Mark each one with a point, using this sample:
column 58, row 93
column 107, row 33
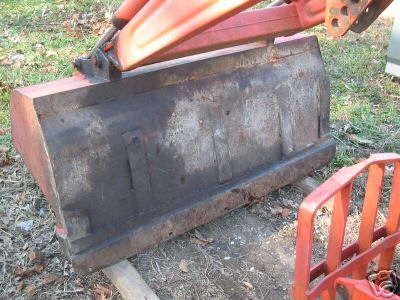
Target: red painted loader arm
column 147, row 31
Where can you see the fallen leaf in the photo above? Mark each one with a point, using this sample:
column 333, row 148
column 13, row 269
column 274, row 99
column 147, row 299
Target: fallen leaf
column 199, row 242
column 248, row 285
column 20, row 196
column 359, row 140
column 184, row 266
column 21, row 272
column 6, row 162
column 286, row 212
column 21, row 285
column 37, row 268
column 30, row 291
column 199, row 239
column 78, row 34
column 99, row 296
column 5, row 87
column 102, row 292
column 276, row 209
column 347, row 100
column 4, row 149
column 41, row 49
column 34, row 256
column 106, row 290
column 68, row 26
column 2, row 131
column 49, row 69
column 49, row 278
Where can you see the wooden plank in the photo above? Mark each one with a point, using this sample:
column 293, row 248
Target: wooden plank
column 129, row 282
column 307, row 185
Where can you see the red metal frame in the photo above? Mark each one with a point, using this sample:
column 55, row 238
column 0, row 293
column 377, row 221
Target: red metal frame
column 127, row 10
column 339, row 17
column 154, row 30
column 362, row 290
column 339, row 186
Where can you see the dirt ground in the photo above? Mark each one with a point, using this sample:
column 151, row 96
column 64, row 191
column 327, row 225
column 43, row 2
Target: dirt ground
column 249, row 253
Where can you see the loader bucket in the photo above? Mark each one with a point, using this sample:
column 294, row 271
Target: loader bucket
column 129, row 163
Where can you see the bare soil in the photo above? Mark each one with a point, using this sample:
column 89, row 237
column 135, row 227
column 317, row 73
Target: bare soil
column 250, row 253
column 247, row 254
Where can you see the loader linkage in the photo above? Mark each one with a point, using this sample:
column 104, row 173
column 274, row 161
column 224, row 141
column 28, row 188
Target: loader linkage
column 146, row 31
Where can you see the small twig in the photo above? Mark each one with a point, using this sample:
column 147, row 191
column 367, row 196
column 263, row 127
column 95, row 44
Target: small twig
column 391, row 95
column 4, row 266
column 71, row 292
column 9, row 234
column 159, row 271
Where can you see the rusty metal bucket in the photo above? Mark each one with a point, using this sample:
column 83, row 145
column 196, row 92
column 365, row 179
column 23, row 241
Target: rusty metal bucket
column 127, row 164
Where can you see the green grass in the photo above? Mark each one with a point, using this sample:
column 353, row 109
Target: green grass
column 365, row 102
column 27, row 24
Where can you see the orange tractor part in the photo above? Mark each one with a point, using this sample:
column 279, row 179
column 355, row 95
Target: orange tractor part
column 147, row 31
column 351, row 261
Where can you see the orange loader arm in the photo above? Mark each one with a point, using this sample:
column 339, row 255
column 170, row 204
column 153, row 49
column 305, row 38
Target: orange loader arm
column 147, row 31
